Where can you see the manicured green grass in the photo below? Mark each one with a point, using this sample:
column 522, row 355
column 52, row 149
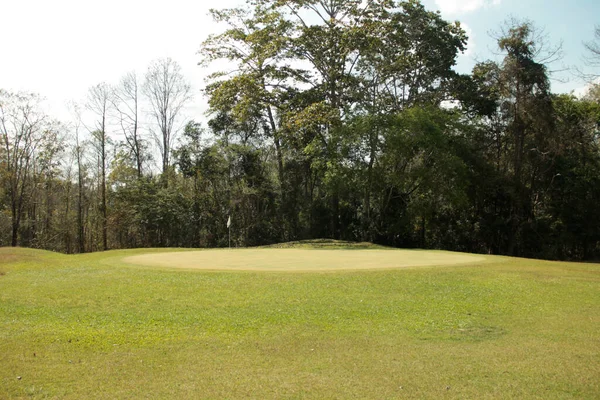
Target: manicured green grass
column 91, row 326
column 301, row 259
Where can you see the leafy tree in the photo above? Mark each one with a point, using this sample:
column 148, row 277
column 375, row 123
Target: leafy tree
column 520, row 134
column 572, row 180
column 28, row 138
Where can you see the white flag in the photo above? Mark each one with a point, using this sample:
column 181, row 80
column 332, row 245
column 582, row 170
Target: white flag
column 229, row 221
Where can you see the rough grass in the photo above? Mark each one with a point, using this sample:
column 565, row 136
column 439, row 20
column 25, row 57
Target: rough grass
column 89, row 326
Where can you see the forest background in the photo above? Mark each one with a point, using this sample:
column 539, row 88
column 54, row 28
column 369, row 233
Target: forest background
column 326, row 119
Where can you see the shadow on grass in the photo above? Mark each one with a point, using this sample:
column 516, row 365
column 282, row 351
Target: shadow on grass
column 326, row 244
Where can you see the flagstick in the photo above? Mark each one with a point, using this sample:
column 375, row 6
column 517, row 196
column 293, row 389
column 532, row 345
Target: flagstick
column 229, row 230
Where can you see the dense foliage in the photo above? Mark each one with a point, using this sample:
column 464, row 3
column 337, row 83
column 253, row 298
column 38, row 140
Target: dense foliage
column 339, row 119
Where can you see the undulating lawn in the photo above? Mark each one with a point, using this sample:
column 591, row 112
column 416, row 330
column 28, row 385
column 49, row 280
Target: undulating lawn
column 91, row 326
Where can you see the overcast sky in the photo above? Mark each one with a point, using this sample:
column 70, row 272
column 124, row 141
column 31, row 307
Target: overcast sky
column 60, row 48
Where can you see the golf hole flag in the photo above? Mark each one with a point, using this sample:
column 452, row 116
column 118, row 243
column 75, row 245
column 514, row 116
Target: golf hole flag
column 229, row 221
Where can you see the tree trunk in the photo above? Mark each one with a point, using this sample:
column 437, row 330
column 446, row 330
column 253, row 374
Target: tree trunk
column 103, row 189
column 277, row 146
column 15, row 233
column 67, row 209
column 104, row 213
column 80, row 230
column 367, row 234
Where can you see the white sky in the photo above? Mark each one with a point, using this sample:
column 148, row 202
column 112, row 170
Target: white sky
column 60, row 48
column 457, row 7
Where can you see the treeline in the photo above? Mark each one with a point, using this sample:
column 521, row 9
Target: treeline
column 342, row 120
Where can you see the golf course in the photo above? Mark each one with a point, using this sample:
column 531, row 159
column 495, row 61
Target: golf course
column 319, row 319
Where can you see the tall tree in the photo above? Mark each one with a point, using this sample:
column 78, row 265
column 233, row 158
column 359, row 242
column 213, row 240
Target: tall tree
column 168, row 92
column 314, row 65
column 98, row 102
column 514, row 100
column 79, row 154
column 573, row 182
column 126, row 103
column 251, row 94
column 24, row 130
column 528, row 106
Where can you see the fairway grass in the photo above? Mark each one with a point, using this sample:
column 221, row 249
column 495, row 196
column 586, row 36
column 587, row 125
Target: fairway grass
column 301, row 260
column 95, row 326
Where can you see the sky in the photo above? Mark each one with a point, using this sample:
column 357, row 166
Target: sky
column 60, row 48
column 567, row 22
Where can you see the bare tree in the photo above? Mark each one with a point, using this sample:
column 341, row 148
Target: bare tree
column 78, row 153
column 98, row 102
column 126, row 103
column 168, row 92
column 592, row 58
column 24, row 130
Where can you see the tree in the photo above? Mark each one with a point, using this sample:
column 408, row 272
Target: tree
column 527, row 104
column 98, row 102
column 188, row 158
column 44, row 231
column 25, row 130
column 126, row 103
column 573, row 182
column 514, row 106
column 406, row 63
column 168, row 92
column 251, row 98
column 78, row 152
column 303, row 71
column 592, row 57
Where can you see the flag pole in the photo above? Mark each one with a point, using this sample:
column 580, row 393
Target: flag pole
column 229, row 229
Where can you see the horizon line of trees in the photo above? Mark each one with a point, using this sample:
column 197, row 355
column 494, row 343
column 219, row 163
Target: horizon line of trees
column 339, row 120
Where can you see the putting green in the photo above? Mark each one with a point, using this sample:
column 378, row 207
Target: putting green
column 301, row 259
